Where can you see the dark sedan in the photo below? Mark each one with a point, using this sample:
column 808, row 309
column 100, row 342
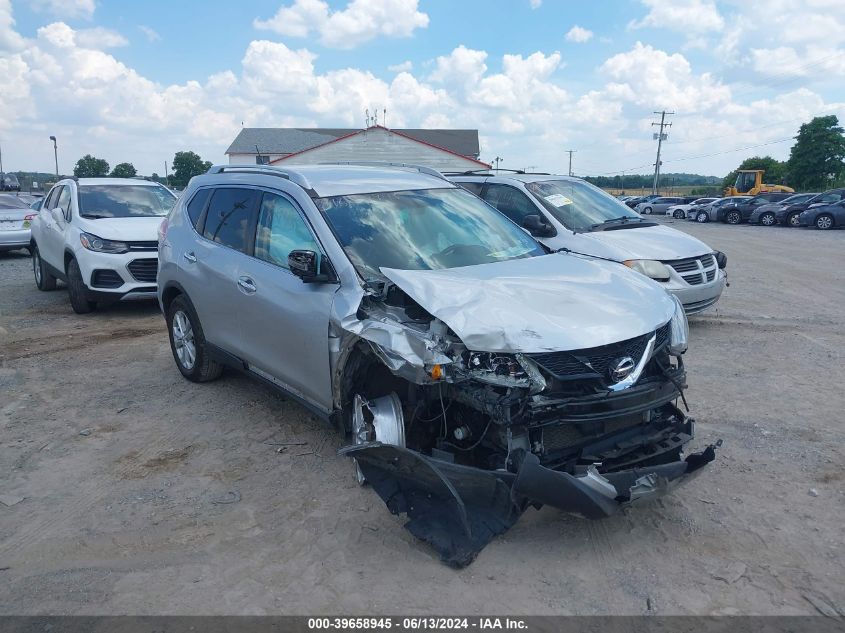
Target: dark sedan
column 824, row 217
column 790, row 215
column 741, row 211
column 767, row 214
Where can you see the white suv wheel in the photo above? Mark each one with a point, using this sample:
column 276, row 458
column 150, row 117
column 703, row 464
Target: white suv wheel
column 183, row 340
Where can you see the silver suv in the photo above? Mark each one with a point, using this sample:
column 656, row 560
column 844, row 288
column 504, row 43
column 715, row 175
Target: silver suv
column 475, row 373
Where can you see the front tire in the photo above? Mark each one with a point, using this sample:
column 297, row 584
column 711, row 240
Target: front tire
column 733, row 217
column 188, row 344
column 702, row 217
column 767, row 219
column 77, row 291
column 679, row 215
column 43, row 279
column 792, row 220
column 647, row 210
column 824, row 222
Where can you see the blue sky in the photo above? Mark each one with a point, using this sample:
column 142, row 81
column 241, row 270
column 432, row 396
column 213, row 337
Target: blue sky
column 138, row 81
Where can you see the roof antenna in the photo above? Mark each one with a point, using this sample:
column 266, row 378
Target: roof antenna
column 385, row 118
column 367, row 113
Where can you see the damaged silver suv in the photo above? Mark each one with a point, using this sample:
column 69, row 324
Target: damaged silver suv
column 476, row 374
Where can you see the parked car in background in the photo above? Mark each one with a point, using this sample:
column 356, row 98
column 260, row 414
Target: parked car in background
column 681, row 211
column 99, row 235
column 790, row 215
column 570, row 214
column 767, row 214
column 824, row 216
column 9, row 182
column 710, row 212
column 657, row 205
column 15, row 221
column 402, row 309
column 740, row 210
column 635, row 200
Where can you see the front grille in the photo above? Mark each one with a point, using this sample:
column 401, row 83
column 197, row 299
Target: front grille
column 694, row 270
column 561, row 436
column 105, row 278
column 595, row 361
column 143, row 246
column 145, row 270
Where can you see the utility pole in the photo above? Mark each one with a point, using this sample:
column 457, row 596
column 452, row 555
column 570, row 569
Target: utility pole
column 570, row 160
column 166, row 176
column 55, row 154
column 1, row 159
column 659, row 137
column 497, row 160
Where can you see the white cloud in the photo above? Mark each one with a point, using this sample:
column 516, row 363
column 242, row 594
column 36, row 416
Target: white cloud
column 66, row 8
column 151, row 35
column 579, row 34
column 535, row 4
column 405, row 66
column 99, row 38
column 686, row 16
column 359, row 22
column 9, row 38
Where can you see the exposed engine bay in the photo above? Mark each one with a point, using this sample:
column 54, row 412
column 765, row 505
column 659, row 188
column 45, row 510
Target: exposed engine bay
column 463, row 441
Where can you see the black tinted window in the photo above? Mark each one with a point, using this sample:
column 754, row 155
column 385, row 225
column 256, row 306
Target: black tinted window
column 472, row 187
column 197, row 205
column 228, row 218
column 510, row 202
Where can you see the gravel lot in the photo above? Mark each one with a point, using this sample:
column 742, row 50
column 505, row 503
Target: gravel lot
column 146, row 494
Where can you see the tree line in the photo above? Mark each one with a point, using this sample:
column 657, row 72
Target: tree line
column 185, row 164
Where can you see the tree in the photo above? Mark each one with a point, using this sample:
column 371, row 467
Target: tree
column 123, row 170
column 90, row 167
column 186, row 165
column 775, row 170
column 816, row 159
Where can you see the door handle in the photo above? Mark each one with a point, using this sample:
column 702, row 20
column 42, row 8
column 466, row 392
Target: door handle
column 190, row 257
column 246, row 285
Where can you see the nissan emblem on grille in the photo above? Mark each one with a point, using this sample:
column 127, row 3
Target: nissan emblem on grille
column 620, row 368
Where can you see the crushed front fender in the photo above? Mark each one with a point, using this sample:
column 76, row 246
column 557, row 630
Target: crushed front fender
column 459, row 509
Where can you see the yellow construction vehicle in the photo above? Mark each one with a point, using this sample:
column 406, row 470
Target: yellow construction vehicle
column 749, row 182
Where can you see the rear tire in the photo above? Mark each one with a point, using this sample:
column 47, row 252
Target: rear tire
column 77, row 291
column 824, row 222
column 702, row 217
column 188, row 344
column 647, row 210
column 767, row 219
column 679, row 215
column 43, row 279
column 792, row 220
column 733, row 217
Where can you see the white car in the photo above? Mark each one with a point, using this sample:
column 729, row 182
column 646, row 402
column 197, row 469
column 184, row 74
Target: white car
column 100, row 236
column 681, row 211
column 570, row 214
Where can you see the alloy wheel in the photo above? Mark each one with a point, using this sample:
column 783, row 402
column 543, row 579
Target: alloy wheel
column 36, row 267
column 824, row 222
column 767, row 219
column 183, row 340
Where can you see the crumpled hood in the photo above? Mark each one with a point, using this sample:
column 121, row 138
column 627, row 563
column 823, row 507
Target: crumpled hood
column 142, row 229
column 648, row 242
column 550, row 303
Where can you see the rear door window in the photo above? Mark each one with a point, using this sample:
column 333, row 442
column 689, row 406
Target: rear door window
column 230, row 218
column 472, row 187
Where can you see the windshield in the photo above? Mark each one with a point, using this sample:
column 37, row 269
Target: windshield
column 124, row 201
column 797, row 198
column 578, row 205
column 425, row 229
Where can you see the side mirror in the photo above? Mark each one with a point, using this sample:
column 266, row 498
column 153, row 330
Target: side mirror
column 537, row 227
column 306, row 266
column 58, row 214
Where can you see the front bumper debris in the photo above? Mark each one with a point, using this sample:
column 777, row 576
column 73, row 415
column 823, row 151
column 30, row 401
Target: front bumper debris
column 458, row 509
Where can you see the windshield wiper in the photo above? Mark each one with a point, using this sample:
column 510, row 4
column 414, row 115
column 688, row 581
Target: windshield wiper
column 623, row 219
column 93, row 216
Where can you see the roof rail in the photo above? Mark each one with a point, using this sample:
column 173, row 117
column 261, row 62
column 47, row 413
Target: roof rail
column 473, row 172
column 266, row 170
column 378, row 163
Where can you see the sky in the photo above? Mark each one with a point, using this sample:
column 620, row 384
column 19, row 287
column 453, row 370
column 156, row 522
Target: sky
column 136, row 82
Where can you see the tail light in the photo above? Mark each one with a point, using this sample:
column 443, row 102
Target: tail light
column 30, row 217
column 162, row 231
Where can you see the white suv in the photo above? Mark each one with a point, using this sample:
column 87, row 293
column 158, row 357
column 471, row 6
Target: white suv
column 100, row 236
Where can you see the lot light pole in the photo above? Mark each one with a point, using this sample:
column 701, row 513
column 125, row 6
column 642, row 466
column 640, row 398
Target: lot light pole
column 55, row 154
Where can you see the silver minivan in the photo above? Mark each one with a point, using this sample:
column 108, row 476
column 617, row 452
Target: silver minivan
column 570, row 214
column 475, row 374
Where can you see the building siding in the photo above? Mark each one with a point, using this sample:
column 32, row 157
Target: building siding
column 382, row 145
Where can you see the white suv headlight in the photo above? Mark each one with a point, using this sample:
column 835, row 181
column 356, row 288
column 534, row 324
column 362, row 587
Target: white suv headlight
column 678, row 329
column 99, row 245
column 650, row 268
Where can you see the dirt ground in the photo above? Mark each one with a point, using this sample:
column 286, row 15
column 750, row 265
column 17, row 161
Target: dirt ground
column 146, row 494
